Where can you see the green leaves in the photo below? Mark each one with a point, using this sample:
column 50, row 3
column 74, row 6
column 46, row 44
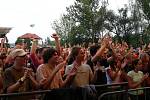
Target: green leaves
column 87, row 20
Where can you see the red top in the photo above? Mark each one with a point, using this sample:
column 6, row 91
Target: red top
column 35, row 60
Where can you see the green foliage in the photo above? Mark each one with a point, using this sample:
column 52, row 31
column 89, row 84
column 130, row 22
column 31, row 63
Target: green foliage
column 121, row 25
column 79, row 25
column 145, row 5
column 28, row 41
column 63, row 28
column 88, row 20
column 19, row 40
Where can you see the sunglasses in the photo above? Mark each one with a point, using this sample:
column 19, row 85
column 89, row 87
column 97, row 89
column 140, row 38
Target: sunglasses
column 22, row 56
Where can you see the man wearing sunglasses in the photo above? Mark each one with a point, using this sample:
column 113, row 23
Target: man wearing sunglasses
column 19, row 78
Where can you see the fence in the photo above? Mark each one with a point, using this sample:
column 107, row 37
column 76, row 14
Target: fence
column 54, row 94
column 131, row 94
column 111, row 87
column 23, row 95
column 62, row 94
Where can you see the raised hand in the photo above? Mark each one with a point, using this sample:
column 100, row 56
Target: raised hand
column 28, row 72
column 43, row 81
column 119, row 73
column 25, row 75
column 74, row 69
column 59, row 66
column 124, row 63
column 146, row 75
column 105, row 41
column 55, row 36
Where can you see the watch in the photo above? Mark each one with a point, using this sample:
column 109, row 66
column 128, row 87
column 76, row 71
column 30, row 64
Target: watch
column 21, row 80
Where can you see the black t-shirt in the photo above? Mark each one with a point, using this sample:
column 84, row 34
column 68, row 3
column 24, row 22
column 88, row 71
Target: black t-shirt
column 91, row 64
column 101, row 77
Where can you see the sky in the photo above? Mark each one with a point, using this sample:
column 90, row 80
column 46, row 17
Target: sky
column 20, row 14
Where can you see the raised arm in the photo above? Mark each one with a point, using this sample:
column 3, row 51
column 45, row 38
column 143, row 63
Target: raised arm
column 3, row 45
column 105, row 43
column 57, row 42
column 34, row 46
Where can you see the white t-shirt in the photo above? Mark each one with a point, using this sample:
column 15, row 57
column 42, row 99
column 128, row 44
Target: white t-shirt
column 83, row 76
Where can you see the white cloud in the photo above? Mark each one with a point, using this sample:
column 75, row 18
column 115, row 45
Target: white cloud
column 20, row 14
column 116, row 4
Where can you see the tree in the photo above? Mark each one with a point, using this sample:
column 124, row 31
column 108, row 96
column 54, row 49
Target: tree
column 27, row 41
column 84, row 13
column 145, row 6
column 140, row 20
column 81, row 22
column 121, row 25
column 63, row 28
column 87, row 20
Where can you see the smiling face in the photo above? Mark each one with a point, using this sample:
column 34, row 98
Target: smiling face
column 50, row 55
column 77, row 53
column 81, row 55
column 21, row 60
column 54, row 59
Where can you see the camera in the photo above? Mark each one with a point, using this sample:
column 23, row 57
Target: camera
column 2, row 35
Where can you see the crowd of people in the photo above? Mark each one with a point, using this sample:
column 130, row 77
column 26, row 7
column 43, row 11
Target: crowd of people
column 45, row 68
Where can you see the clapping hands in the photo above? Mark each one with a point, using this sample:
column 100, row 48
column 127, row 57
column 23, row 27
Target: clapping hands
column 59, row 66
column 28, row 73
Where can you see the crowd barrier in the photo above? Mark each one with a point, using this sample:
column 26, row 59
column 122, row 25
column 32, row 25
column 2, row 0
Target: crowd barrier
column 83, row 93
column 111, row 87
column 128, row 94
column 80, row 93
column 54, row 94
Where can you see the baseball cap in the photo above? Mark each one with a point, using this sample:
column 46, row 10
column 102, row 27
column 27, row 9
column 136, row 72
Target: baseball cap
column 18, row 53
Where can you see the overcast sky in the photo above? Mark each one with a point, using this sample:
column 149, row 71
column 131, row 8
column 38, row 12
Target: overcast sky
column 20, row 14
